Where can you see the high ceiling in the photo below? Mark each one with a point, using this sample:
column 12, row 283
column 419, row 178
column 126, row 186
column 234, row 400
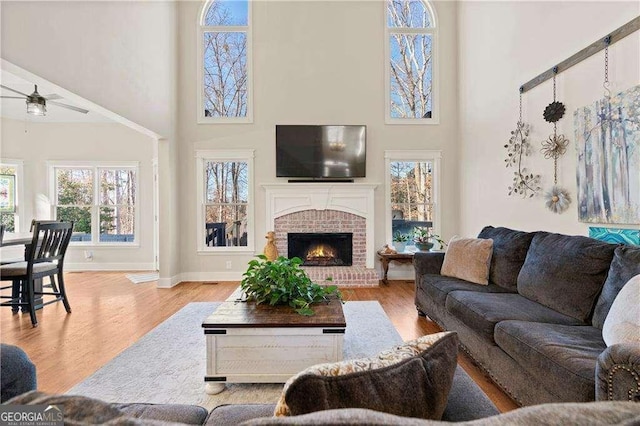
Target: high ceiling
column 16, row 109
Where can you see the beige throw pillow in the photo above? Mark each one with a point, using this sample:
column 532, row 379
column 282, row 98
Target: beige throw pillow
column 622, row 324
column 468, row 259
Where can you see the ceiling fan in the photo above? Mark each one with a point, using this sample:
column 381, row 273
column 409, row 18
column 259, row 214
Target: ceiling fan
column 37, row 104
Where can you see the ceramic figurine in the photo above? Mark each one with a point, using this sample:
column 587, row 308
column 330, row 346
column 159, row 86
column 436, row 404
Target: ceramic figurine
column 270, row 250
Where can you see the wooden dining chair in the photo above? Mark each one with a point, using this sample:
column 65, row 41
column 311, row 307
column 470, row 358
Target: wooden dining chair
column 45, row 258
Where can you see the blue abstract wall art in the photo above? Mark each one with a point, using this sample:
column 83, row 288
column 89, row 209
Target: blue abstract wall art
column 608, row 168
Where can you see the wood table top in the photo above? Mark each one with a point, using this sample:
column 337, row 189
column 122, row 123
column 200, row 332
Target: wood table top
column 239, row 314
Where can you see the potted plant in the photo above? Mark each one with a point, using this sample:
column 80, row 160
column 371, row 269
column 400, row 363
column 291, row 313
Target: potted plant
column 400, row 241
column 424, row 238
column 284, row 282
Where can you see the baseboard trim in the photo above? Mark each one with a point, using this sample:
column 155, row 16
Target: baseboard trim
column 98, row 266
column 169, row 282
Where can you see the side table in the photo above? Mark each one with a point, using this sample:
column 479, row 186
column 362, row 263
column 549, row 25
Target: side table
column 385, row 259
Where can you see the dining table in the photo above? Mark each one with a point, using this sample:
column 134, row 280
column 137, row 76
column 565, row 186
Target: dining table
column 22, row 239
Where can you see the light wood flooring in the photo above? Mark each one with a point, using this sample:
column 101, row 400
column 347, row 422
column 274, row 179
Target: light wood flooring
column 110, row 313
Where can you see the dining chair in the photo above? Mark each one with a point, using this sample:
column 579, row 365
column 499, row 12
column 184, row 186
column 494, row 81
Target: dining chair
column 45, row 258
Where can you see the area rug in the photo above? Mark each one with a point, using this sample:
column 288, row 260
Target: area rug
column 168, row 364
column 143, row 278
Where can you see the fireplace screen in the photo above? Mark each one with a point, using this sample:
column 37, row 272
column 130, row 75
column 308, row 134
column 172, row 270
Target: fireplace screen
column 321, row 249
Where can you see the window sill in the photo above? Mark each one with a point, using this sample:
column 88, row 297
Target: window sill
column 227, row 252
column 412, row 121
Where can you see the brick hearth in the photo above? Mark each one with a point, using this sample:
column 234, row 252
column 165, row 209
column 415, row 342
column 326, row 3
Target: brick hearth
column 357, row 275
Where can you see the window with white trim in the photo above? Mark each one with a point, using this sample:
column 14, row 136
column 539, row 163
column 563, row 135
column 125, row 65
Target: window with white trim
column 225, row 192
column 224, row 62
column 412, row 186
column 100, row 200
column 10, row 186
column 410, row 51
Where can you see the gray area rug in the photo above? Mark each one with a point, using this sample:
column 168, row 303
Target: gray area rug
column 168, row 364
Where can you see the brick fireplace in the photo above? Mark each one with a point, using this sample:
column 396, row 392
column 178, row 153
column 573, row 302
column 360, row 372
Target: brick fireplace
column 327, row 208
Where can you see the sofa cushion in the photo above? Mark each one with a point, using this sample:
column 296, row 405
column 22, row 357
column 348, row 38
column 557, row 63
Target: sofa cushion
column 437, row 287
column 565, row 273
column 482, row 311
column 593, row 413
column 468, row 259
column 234, row 414
column 559, row 356
column 424, row 366
column 625, row 264
column 509, row 251
column 175, row 413
column 623, row 321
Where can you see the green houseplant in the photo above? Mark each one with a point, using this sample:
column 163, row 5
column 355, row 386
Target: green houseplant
column 400, row 241
column 423, row 238
column 284, row 282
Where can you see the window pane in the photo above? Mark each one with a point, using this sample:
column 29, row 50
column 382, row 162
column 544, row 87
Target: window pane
column 411, row 195
column 226, row 225
column 117, row 187
column 81, row 217
column 411, row 75
column 408, row 14
column 9, row 221
column 226, row 182
column 225, row 74
column 227, row 12
column 74, row 186
column 117, row 224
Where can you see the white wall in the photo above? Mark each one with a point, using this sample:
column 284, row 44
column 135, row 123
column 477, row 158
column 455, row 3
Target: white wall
column 36, row 143
column 120, row 55
column 502, row 45
column 315, row 62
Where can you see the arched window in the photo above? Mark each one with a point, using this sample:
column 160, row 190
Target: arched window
column 411, row 38
column 224, row 68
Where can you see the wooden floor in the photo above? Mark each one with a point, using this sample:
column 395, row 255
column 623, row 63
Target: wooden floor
column 110, row 313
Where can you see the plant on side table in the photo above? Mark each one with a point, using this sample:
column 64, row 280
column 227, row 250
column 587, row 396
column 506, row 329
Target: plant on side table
column 400, row 241
column 423, row 238
column 284, row 282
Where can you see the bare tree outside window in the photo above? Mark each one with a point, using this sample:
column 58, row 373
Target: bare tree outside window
column 226, row 201
column 412, row 190
column 225, row 75
column 410, row 30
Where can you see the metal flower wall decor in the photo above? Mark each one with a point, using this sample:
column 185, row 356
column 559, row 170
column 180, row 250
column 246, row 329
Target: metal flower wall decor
column 525, row 184
column 557, row 199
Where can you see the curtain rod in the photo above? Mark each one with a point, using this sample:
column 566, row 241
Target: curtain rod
column 616, row 35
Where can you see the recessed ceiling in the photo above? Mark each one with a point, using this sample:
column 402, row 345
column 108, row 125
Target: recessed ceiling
column 16, row 109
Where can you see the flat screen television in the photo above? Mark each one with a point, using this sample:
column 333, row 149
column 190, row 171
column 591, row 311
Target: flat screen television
column 320, row 152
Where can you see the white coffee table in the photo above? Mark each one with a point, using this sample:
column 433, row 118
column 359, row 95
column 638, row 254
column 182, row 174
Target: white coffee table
column 249, row 343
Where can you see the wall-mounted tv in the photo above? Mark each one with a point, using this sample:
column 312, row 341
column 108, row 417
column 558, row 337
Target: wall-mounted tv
column 320, row 152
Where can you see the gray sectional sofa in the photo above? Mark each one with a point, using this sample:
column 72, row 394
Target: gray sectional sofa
column 536, row 328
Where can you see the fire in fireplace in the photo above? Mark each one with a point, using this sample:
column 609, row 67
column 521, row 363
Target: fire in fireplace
column 321, row 249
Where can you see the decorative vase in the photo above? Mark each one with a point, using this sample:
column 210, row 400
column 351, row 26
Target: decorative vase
column 424, row 246
column 399, row 246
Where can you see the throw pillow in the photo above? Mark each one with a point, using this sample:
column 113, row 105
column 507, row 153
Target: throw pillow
column 622, row 324
column 413, row 379
column 468, row 259
column 509, row 251
column 625, row 265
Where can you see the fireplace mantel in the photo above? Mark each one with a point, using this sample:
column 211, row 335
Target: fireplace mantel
column 354, row 198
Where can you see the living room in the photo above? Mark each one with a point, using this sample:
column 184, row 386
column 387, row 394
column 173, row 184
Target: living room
column 319, row 63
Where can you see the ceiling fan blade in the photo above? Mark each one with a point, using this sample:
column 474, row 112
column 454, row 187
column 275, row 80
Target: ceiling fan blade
column 74, row 108
column 14, row 91
column 52, row 97
column 11, row 97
